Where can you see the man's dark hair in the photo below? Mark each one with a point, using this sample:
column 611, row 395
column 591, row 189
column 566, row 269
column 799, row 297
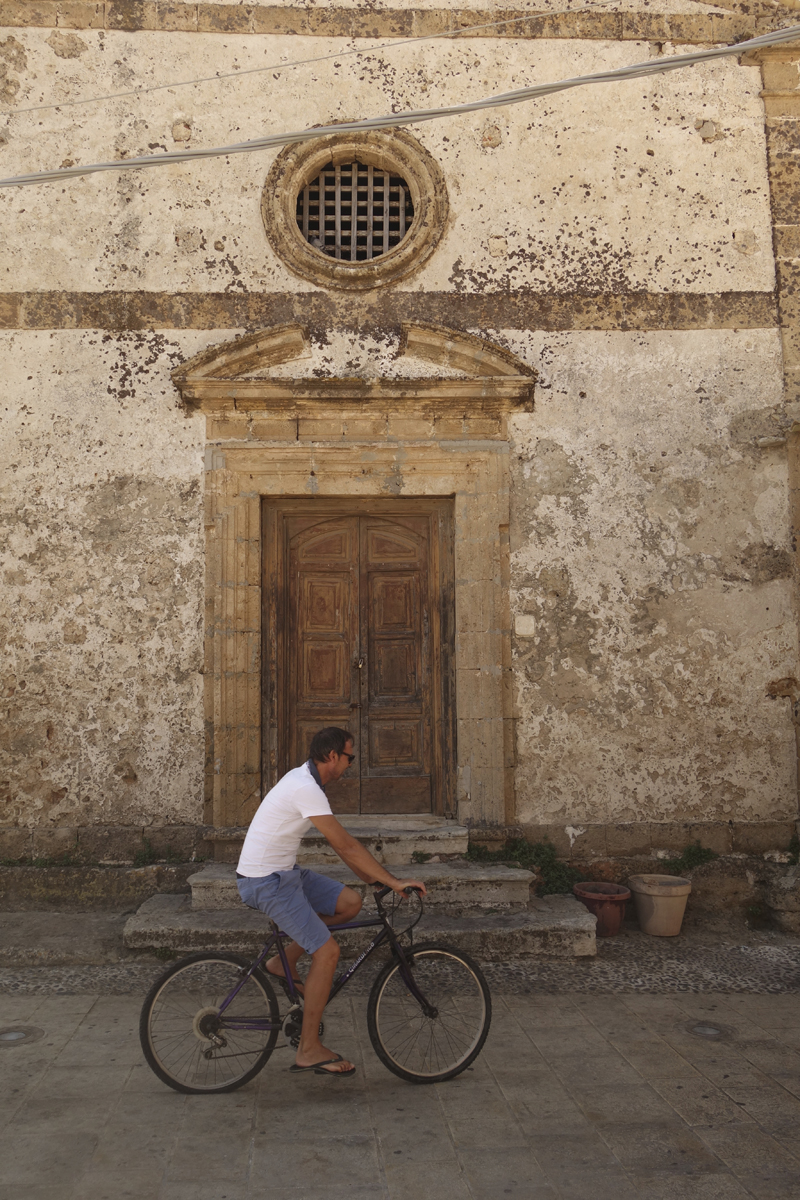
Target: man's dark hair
column 327, row 739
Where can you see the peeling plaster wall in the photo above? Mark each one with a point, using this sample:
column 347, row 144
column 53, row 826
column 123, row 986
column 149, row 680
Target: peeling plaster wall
column 651, row 601
column 102, row 567
column 652, row 581
column 651, row 589
column 608, row 188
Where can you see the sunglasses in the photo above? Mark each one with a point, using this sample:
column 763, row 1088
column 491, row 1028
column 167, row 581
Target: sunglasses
column 351, row 758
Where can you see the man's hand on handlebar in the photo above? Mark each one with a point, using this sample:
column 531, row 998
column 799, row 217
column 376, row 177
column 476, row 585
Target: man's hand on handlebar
column 402, row 885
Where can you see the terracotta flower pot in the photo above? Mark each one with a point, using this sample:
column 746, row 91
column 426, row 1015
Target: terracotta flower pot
column 607, row 902
column 660, row 903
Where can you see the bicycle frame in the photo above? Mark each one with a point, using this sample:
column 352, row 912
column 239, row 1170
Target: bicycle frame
column 256, row 1023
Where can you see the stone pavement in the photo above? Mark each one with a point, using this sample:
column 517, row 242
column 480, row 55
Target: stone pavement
column 574, row 1096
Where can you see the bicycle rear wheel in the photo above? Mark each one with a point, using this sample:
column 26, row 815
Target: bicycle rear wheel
column 430, row 1048
column 189, row 1044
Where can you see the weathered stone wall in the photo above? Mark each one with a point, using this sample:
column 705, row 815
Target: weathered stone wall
column 652, row 576
column 652, row 616
column 655, row 184
column 102, row 568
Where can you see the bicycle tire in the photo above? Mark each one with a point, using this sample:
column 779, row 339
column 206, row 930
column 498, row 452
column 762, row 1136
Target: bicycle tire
column 430, row 1049
column 178, row 1015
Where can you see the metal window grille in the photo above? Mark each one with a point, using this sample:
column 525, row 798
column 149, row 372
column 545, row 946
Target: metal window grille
column 355, row 212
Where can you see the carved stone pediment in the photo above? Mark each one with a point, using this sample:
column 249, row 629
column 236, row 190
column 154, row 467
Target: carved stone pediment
column 474, row 373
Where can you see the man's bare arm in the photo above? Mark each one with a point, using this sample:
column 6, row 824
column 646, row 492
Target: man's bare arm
column 358, row 858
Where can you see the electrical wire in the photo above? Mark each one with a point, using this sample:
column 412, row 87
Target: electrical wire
column 287, row 66
column 415, row 116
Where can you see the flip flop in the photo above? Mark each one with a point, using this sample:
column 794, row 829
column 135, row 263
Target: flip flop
column 298, row 983
column 317, row 1068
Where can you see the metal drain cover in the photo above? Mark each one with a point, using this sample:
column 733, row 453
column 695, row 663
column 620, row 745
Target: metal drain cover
column 709, row 1031
column 19, row 1035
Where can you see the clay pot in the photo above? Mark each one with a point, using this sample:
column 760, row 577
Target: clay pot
column 660, row 903
column 607, row 902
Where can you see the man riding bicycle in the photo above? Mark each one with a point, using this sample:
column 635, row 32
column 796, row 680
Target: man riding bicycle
column 301, row 902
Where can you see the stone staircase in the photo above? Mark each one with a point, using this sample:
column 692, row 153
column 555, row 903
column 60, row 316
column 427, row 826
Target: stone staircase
column 486, row 910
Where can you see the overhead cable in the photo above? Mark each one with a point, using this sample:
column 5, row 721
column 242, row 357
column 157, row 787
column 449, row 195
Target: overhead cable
column 415, row 116
column 280, row 66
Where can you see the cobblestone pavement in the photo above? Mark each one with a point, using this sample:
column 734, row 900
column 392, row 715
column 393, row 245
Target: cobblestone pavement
column 732, row 959
column 574, row 1096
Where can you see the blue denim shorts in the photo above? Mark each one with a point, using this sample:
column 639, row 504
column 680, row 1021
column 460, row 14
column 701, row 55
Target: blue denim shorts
column 292, row 900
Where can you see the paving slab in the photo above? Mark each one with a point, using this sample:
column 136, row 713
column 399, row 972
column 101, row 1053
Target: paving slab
column 99, row 1128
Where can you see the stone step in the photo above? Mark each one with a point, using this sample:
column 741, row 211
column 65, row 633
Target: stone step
column 457, row 886
column 550, row 927
column 390, row 840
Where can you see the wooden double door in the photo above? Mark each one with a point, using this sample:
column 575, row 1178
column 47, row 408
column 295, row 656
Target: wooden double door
column 362, row 638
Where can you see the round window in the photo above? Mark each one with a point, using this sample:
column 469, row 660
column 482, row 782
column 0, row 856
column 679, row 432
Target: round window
column 357, row 210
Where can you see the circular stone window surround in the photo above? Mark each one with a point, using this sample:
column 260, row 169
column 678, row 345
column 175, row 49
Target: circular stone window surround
column 398, row 153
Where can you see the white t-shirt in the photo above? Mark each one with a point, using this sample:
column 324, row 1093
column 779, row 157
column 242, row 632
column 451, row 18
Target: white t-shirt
column 275, row 833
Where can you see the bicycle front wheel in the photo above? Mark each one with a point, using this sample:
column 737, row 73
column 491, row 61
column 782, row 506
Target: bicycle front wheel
column 430, row 1047
column 189, row 1043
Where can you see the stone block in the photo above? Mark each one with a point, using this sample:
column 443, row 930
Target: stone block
column 476, row 604
column 226, row 430
column 365, row 428
column 75, row 14
column 781, row 104
column 124, row 14
column 675, row 836
column 779, row 76
column 484, row 427
column 586, row 841
column 403, row 429
column 109, row 843
column 313, row 429
column 555, row 834
column 15, row 842
column 450, row 427
column 628, row 837
column 273, row 429
column 223, row 18
column 180, row 842
column 787, row 241
column 759, row 837
column 178, row 17
column 52, row 843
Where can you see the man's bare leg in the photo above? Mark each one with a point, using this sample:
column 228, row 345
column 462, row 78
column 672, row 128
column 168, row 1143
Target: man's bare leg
column 318, row 988
column 348, row 906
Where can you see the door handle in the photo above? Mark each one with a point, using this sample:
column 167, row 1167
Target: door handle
column 352, row 706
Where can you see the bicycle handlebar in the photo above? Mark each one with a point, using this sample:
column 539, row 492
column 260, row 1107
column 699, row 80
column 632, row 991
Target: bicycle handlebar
column 384, row 891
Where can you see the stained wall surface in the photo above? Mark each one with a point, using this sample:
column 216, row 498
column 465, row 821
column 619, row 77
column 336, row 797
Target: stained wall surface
column 652, row 617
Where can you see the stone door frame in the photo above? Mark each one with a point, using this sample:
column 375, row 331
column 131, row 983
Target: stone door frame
column 340, row 438
column 440, row 737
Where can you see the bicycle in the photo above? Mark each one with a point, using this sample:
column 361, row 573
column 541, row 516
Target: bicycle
column 211, row 1021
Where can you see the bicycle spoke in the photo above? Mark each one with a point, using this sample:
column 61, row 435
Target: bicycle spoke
column 180, row 1027
column 423, row 1047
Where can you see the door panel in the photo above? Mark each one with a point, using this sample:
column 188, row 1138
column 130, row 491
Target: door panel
column 395, row 714
column 323, row 632
column 361, row 642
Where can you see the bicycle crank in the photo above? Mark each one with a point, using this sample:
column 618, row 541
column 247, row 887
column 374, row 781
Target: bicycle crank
column 292, row 1026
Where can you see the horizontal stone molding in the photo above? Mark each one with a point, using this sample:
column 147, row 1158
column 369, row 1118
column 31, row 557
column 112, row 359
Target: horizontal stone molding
column 172, row 16
column 621, row 312
column 298, row 397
